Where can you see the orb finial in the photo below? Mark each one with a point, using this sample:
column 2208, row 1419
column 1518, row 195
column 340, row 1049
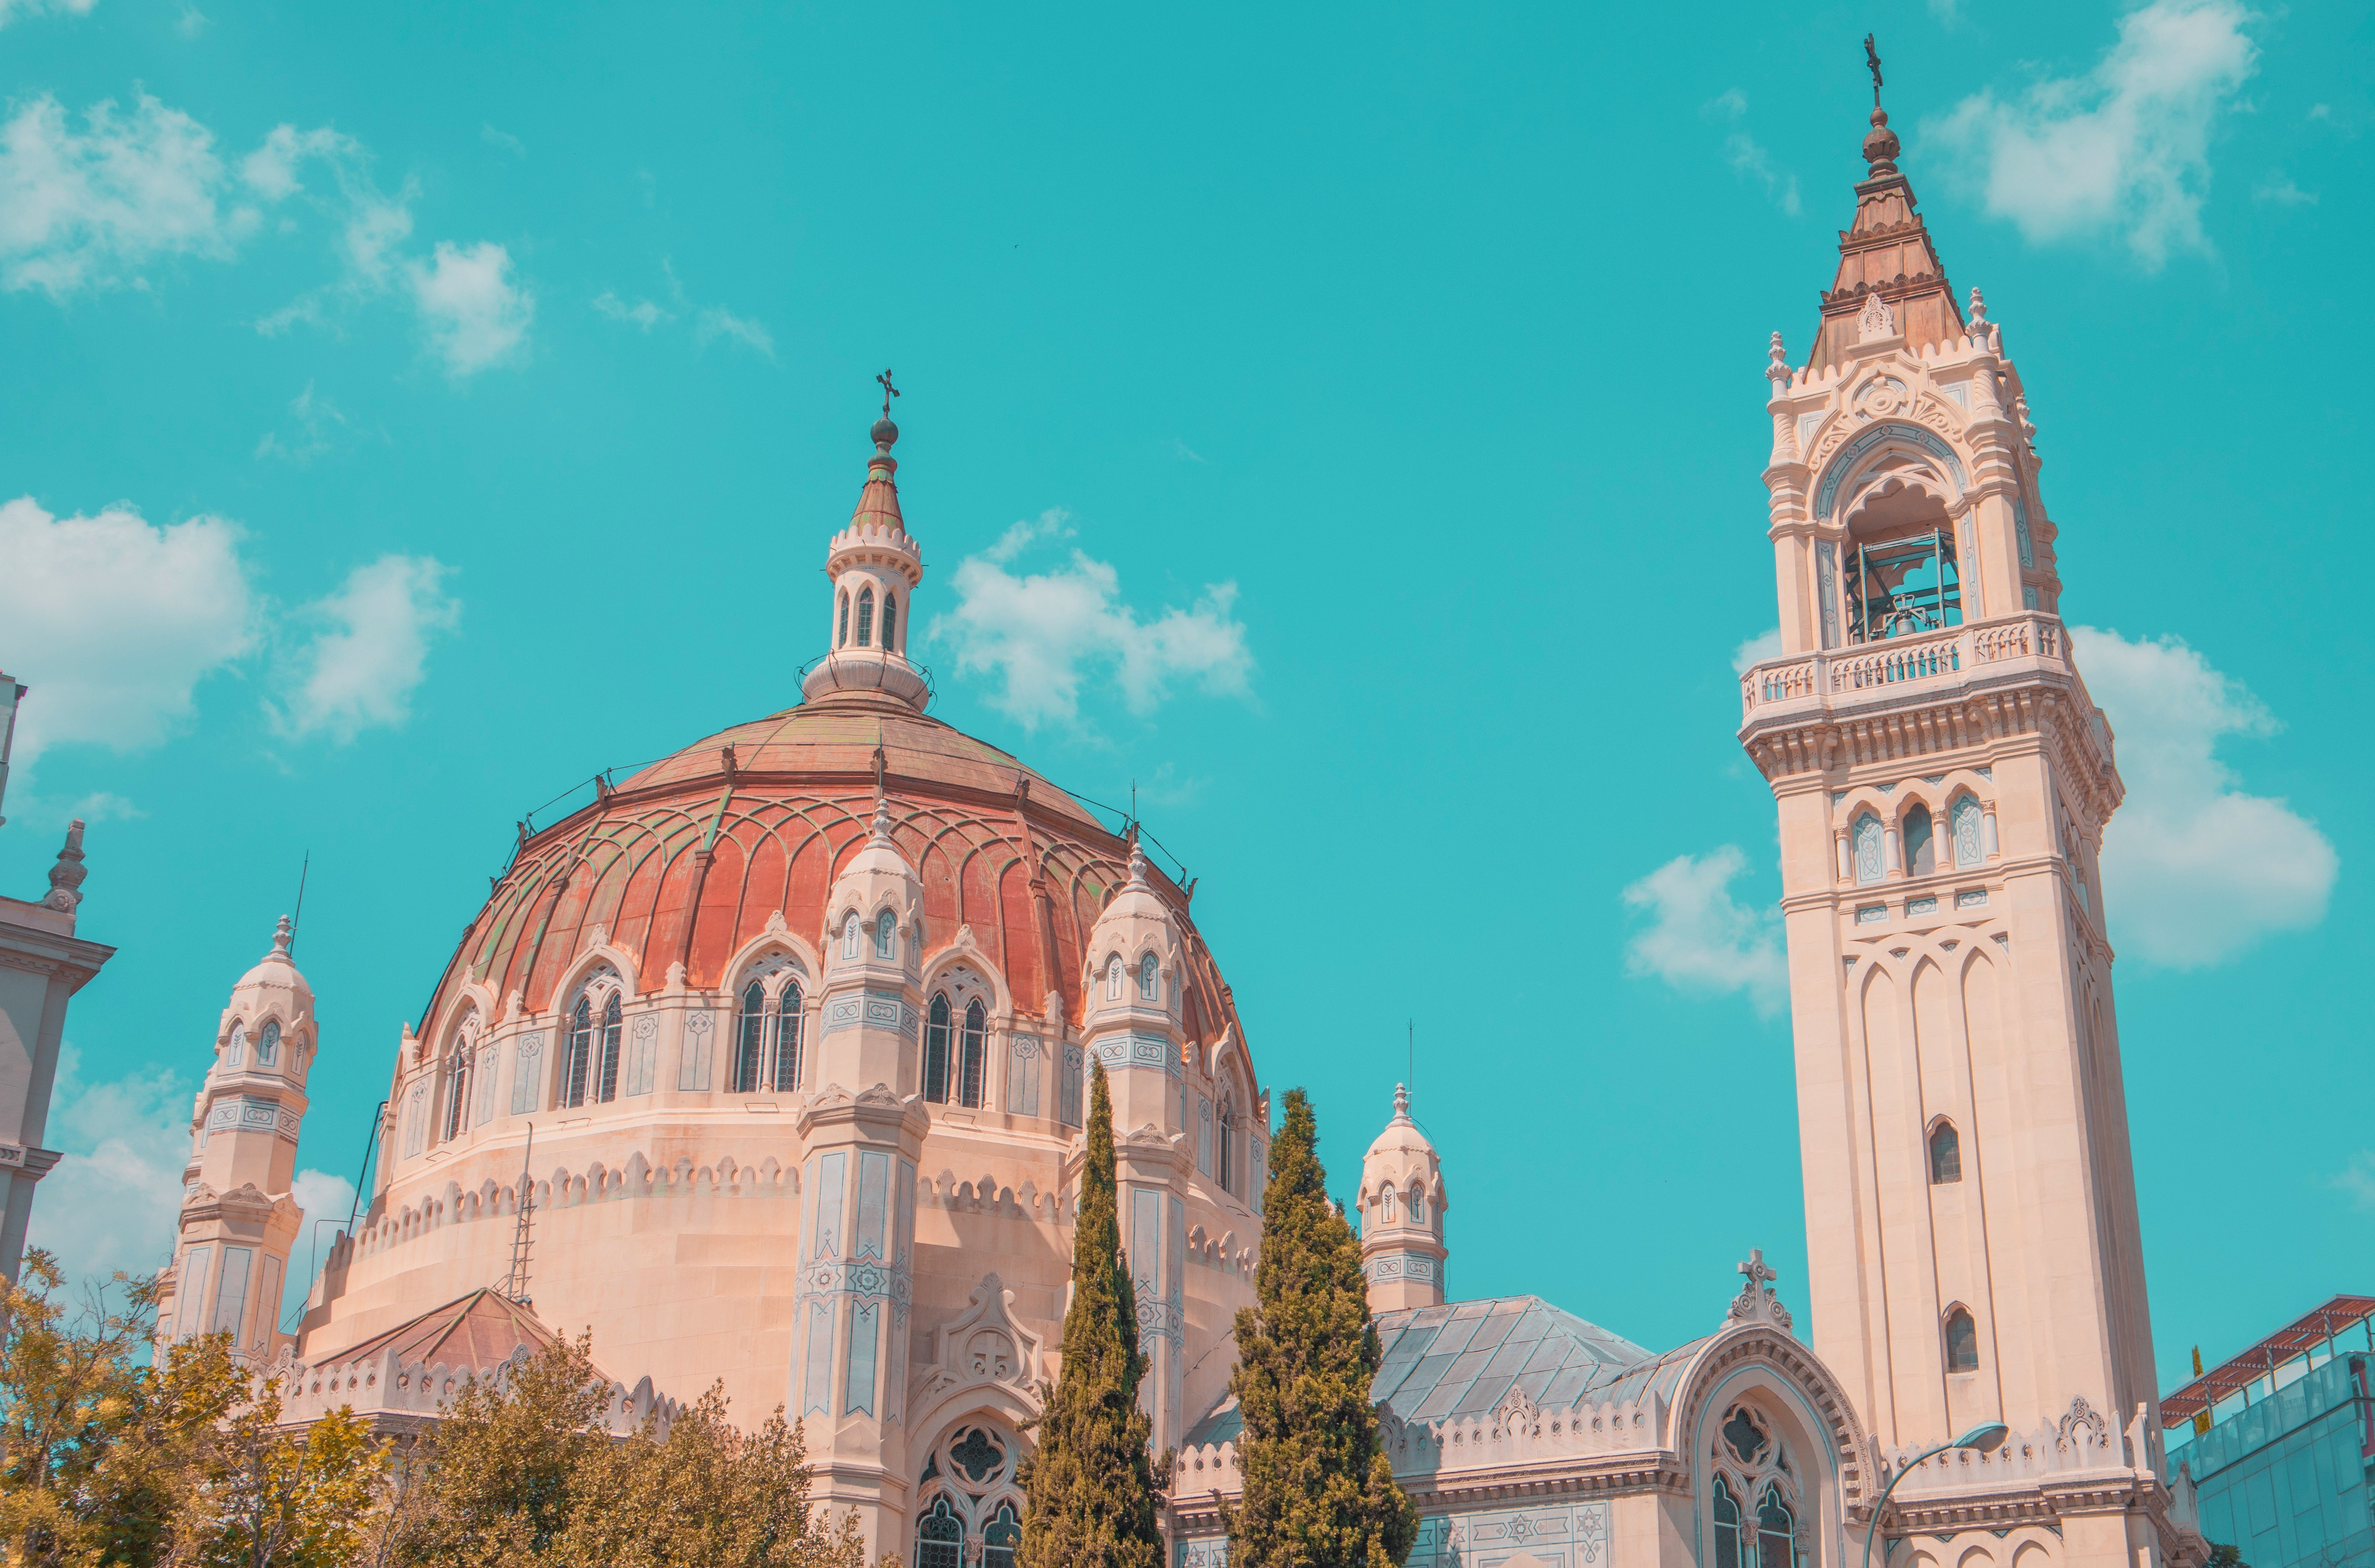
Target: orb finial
column 1880, row 143
column 885, row 433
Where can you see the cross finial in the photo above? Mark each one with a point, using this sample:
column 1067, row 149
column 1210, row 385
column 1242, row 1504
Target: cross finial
column 1872, row 64
column 890, row 392
column 1758, row 1275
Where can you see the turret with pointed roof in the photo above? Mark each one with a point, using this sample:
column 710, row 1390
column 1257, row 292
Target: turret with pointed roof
column 875, row 565
column 1886, row 251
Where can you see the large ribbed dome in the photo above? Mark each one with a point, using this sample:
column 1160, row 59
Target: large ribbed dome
column 689, row 859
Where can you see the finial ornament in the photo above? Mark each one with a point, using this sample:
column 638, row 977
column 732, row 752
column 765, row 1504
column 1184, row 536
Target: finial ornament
column 1756, row 1303
column 67, row 875
column 882, row 818
column 1776, row 363
column 889, row 392
column 1880, row 144
column 1137, row 863
column 1872, row 64
column 1401, row 1103
column 885, row 433
column 281, row 935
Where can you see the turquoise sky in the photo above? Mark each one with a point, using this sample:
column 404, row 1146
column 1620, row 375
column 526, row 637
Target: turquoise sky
column 418, row 408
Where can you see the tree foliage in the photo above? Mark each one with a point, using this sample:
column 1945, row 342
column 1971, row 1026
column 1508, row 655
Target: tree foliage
column 1090, row 1485
column 1319, row 1491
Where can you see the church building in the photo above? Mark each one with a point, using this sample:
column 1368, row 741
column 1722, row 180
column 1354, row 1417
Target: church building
column 767, row 1064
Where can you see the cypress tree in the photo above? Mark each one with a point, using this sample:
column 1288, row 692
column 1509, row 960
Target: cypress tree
column 1089, row 1485
column 1319, row 1491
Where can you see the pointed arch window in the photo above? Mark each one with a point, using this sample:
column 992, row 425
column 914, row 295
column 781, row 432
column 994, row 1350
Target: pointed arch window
column 1962, row 1342
column 267, row 1044
column 977, row 1052
column 889, row 621
column 1000, row 1538
column 1920, row 842
column 750, row 1048
column 787, row 1037
column 849, row 935
column 607, row 1087
column 1417, row 1203
column 1146, row 978
column 1227, row 1161
column 1727, row 1526
column 886, row 935
column 936, row 1051
column 1866, row 838
column 841, row 637
column 940, row 1536
column 1776, row 1531
column 237, row 1047
column 457, row 1091
column 1749, row 1462
column 1962, row 829
column 866, row 618
column 580, row 1054
column 1386, row 1207
column 1946, row 1155
column 968, row 1498
column 1113, row 978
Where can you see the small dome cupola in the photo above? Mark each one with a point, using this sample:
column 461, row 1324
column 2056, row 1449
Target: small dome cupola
column 1131, row 968
column 1403, row 1200
column 268, row 1027
column 874, row 566
column 875, row 915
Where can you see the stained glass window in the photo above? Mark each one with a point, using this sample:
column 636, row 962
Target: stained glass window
column 889, row 623
column 1727, row 1526
column 457, row 1090
column 608, row 1086
column 936, row 1052
column 842, row 637
column 1946, row 1155
column 787, row 1038
column 979, row 1455
column 1744, row 1436
column 866, row 618
column 748, row 1046
column 999, row 1539
column 1962, row 1342
column 976, row 1048
column 940, row 1536
column 1777, row 1532
column 581, row 1051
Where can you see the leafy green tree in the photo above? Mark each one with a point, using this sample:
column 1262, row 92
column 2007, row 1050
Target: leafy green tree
column 1318, row 1490
column 1090, row 1485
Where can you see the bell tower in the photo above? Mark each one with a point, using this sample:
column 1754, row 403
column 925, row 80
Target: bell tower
column 1942, row 780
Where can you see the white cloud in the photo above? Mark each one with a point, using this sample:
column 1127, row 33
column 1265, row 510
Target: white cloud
column 113, row 620
column 475, row 315
column 2358, row 1179
column 1749, row 157
column 716, row 322
column 86, row 208
column 191, row 22
column 1701, row 940
column 1765, row 644
column 2279, row 189
column 328, row 1202
column 2194, row 870
column 114, row 1201
column 361, row 670
column 2125, row 148
column 318, row 426
column 16, row 11
column 503, row 140
column 1044, row 633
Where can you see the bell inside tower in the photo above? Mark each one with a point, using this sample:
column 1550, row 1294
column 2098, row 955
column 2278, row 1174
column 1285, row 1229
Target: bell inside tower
column 1901, row 577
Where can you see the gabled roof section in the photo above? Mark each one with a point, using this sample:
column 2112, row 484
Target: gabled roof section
column 1887, row 251
column 482, row 1329
column 1463, row 1357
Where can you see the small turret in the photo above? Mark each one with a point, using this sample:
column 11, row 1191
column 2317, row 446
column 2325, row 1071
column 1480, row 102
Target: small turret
column 238, row 1220
column 875, row 566
column 1403, row 1200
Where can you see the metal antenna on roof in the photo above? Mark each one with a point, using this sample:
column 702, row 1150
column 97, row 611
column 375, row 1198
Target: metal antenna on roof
column 295, row 920
column 1409, row 1073
column 515, row 1287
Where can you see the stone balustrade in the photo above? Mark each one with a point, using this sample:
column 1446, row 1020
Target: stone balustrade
column 1940, row 657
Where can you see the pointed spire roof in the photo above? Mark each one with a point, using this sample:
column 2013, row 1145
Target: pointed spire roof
column 1887, row 251
column 877, row 503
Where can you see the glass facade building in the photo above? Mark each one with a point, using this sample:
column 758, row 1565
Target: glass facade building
column 2285, row 1479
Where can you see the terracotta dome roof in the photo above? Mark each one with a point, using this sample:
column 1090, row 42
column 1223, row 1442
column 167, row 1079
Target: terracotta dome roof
column 689, row 859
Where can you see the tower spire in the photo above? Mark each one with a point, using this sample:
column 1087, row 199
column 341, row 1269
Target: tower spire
column 875, row 565
column 1886, row 253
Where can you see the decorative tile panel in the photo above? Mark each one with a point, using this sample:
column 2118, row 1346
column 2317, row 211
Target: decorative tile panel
column 1561, row 1536
column 1119, row 1050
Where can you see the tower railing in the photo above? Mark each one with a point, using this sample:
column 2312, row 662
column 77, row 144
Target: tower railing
column 1902, row 661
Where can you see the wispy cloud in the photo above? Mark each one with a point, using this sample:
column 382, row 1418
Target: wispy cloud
column 477, row 312
column 89, row 207
column 316, row 425
column 1185, row 453
column 2278, row 189
column 1699, row 940
column 1748, row 156
column 369, row 650
column 710, row 323
column 2124, row 148
column 642, row 313
column 1045, row 635
column 2195, row 869
column 2358, row 1179
column 18, row 10
column 716, row 322
column 1756, row 650
column 503, row 141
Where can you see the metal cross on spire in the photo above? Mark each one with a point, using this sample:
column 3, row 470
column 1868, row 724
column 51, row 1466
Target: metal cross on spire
column 1758, row 1275
column 1872, row 64
column 890, row 392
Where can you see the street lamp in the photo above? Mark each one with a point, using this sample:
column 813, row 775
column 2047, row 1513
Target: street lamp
column 1982, row 1439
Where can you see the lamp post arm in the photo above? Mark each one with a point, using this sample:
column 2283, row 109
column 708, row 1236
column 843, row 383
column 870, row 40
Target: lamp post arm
column 1877, row 1508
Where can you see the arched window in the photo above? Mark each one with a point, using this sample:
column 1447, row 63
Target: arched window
column 787, row 1038
column 1417, row 1203
column 1386, row 1207
column 1146, row 977
column 608, row 1086
column 1946, row 1155
column 457, row 1092
column 940, row 1536
column 1113, row 978
column 1866, row 838
column 1962, row 1342
column 1228, row 1154
column 237, row 1047
column 977, row 1050
column 886, row 933
column 1776, row 1531
column 1000, row 1537
column 889, row 621
column 581, row 1055
column 841, row 638
column 849, row 935
column 1921, row 844
column 750, row 1047
column 1727, row 1526
column 866, row 618
column 267, row 1044
column 1963, row 827
column 936, row 1052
